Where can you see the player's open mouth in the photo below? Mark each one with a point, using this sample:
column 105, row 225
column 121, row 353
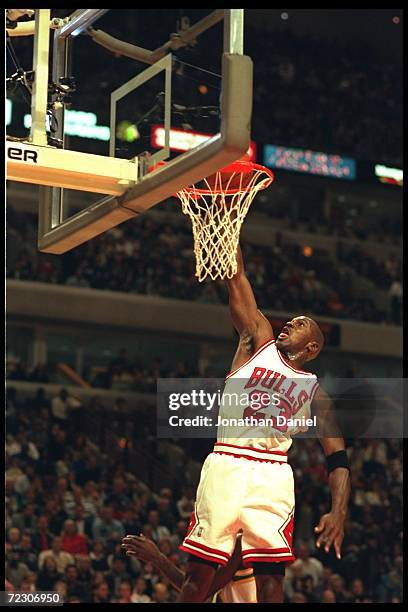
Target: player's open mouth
column 284, row 334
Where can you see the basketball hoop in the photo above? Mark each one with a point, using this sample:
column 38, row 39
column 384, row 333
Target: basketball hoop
column 217, row 207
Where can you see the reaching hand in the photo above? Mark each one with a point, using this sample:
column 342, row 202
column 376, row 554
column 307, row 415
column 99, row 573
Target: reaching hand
column 331, row 530
column 141, row 547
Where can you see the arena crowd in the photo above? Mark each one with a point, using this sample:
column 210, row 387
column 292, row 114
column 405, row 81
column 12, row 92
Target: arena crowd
column 153, row 257
column 72, row 494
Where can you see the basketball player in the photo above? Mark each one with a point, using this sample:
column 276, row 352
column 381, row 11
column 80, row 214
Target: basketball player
column 246, row 482
column 232, row 583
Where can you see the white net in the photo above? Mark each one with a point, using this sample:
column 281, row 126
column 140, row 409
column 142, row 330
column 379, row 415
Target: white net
column 217, row 210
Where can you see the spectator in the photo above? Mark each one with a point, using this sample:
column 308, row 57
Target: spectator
column 91, row 499
column 25, row 586
column 166, row 517
column 16, row 479
column 158, row 531
column 13, row 540
column 40, row 400
column 61, row 587
column 117, row 575
column 84, row 567
column 87, row 469
column 57, row 443
column 48, row 575
column 328, row 596
column 160, row 593
column 337, row 585
column 61, row 407
column 61, row 558
column 177, row 537
column 98, row 557
column 298, row 598
column 185, row 505
column 75, row 588
column 118, row 498
column 105, row 526
column 27, row 555
column 65, row 495
column 308, row 565
column 42, row 536
column 72, row 541
column 15, row 569
column 131, row 521
column 139, row 594
column 25, row 520
column 101, row 593
column 125, row 593
column 56, row 515
column 357, row 591
column 21, row 447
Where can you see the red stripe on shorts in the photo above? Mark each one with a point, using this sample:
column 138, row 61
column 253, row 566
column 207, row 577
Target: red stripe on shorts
column 202, row 555
column 251, row 448
column 247, row 457
column 206, row 548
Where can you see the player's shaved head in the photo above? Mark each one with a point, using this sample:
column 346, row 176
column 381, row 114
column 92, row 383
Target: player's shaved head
column 316, row 333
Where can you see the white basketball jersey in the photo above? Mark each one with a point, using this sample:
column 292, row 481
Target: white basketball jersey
column 266, row 401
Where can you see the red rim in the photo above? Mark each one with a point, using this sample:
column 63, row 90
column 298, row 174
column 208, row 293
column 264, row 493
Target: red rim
column 240, row 166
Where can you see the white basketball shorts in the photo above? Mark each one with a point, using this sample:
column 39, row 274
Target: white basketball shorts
column 243, row 488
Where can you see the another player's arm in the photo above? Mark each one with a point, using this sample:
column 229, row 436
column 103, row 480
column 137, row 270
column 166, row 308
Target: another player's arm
column 146, row 550
column 330, row 529
column 225, row 574
column 253, row 327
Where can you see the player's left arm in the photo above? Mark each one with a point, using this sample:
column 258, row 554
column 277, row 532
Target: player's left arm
column 330, row 529
column 146, row 550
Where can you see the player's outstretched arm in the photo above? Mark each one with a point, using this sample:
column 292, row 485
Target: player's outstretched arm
column 254, row 329
column 146, row 550
column 330, row 529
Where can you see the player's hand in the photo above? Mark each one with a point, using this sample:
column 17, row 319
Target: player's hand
column 141, row 547
column 331, row 531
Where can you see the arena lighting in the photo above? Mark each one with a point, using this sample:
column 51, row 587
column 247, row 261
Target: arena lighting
column 184, row 140
column 9, row 111
column 386, row 174
column 79, row 123
column 309, row 162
